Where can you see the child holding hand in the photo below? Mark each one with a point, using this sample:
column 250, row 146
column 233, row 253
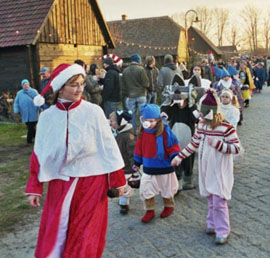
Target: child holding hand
column 156, row 146
column 216, row 140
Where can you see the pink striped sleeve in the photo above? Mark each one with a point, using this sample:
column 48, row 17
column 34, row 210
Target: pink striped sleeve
column 231, row 143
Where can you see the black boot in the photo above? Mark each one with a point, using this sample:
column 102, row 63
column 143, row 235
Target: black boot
column 124, row 209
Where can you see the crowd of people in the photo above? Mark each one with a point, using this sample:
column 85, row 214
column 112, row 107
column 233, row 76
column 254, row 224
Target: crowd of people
column 99, row 127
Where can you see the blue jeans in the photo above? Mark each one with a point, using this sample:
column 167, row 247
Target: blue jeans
column 110, row 107
column 134, row 104
column 152, row 97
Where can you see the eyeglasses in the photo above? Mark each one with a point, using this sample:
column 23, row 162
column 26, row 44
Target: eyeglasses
column 76, row 85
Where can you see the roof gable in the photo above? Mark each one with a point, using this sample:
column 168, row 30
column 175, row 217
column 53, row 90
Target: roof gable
column 22, row 20
column 146, row 36
column 207, row 40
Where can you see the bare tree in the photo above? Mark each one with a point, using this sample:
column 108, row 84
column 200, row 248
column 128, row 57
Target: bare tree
column 206, row 19
column 234, row 35
column 204, row 15
column 250, row 15
column 266, row 30
column 221, row 16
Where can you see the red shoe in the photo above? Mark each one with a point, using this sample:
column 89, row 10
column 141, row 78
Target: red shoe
column 148, row 216
column 167, row 211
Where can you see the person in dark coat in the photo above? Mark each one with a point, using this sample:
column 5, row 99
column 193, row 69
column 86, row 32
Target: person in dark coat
column 259, row 74
column 152, row 74
column 111, row 91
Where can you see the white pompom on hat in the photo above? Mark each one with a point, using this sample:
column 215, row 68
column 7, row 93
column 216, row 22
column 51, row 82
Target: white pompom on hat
column 60, row 75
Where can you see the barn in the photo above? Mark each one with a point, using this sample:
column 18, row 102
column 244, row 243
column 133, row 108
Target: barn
column 155, row 36
column 37, row 33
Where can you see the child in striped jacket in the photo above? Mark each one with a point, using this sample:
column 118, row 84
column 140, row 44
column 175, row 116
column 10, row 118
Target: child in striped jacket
column 216, row 141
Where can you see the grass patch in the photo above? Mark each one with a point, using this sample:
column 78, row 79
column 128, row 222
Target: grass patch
column 14, row 173
column 11, row 134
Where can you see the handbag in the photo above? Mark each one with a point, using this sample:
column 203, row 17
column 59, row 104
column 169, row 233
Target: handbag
column 134, row 180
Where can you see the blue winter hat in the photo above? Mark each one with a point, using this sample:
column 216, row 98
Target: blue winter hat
column 232, row 71
column 43, row 70
column 217, row 71
column 136, row 58
column 24, row 81
column 150, row 111
column 224, row 73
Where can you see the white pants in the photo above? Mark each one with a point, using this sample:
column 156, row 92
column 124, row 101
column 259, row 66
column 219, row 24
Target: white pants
column 152, row 185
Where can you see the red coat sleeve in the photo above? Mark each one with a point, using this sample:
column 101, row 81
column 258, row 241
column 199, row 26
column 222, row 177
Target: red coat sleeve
column 117, row 179
column 33, row 185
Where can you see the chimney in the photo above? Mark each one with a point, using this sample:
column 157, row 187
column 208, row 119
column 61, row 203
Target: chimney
column 124, row 17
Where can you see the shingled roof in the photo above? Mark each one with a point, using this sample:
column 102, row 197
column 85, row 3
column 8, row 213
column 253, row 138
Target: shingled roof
column 21, row 19
column 207, row 40
column 155, row 36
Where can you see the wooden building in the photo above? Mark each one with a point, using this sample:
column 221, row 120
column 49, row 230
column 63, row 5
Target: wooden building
column 228, row 52
column 156, row 36
column 37, row 33
column 200, row 44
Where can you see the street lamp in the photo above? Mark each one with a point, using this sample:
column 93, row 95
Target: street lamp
column 196, row 20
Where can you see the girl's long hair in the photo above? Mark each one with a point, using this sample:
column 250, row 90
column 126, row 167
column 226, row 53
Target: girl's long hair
column 159, row 128
column 218, row 119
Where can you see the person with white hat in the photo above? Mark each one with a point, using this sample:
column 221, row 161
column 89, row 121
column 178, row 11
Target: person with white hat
column 76, row 153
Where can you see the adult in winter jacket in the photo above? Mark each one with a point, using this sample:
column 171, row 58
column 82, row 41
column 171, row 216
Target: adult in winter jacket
column 259, row 74
column 94, row 86
column 134, row 85
column 152, row 74
column 24, row 105
column 111, row 91
column 167, row 73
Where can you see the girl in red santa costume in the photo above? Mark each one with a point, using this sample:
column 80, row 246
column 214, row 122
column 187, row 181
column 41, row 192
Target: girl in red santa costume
column 76, row 153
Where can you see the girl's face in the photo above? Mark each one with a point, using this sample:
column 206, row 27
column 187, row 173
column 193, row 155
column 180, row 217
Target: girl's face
column 152, row 122
column 197, row 70
column 113, row 123
column 73, row 91
column 225, row 99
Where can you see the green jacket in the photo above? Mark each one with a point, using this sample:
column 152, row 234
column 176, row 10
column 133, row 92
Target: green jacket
column 134, row 81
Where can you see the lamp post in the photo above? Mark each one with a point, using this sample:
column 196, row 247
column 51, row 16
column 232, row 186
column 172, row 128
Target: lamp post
column 196, row 20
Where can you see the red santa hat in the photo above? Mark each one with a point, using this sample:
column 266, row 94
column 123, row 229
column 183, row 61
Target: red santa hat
column 116, row 60
column 60, row 75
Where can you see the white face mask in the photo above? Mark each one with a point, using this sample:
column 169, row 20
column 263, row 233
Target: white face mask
column 146, row 124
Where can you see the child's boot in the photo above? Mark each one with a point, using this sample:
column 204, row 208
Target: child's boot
column 148, row 216
column 167, row 211
column 187, row 183
column 168, row 207
column 150, row 210
column 221, row 240
column 124, row 204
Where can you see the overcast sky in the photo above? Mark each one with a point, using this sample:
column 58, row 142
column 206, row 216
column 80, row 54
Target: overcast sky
column 113, row 9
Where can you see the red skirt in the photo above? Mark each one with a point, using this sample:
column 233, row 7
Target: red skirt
column 87, row 218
